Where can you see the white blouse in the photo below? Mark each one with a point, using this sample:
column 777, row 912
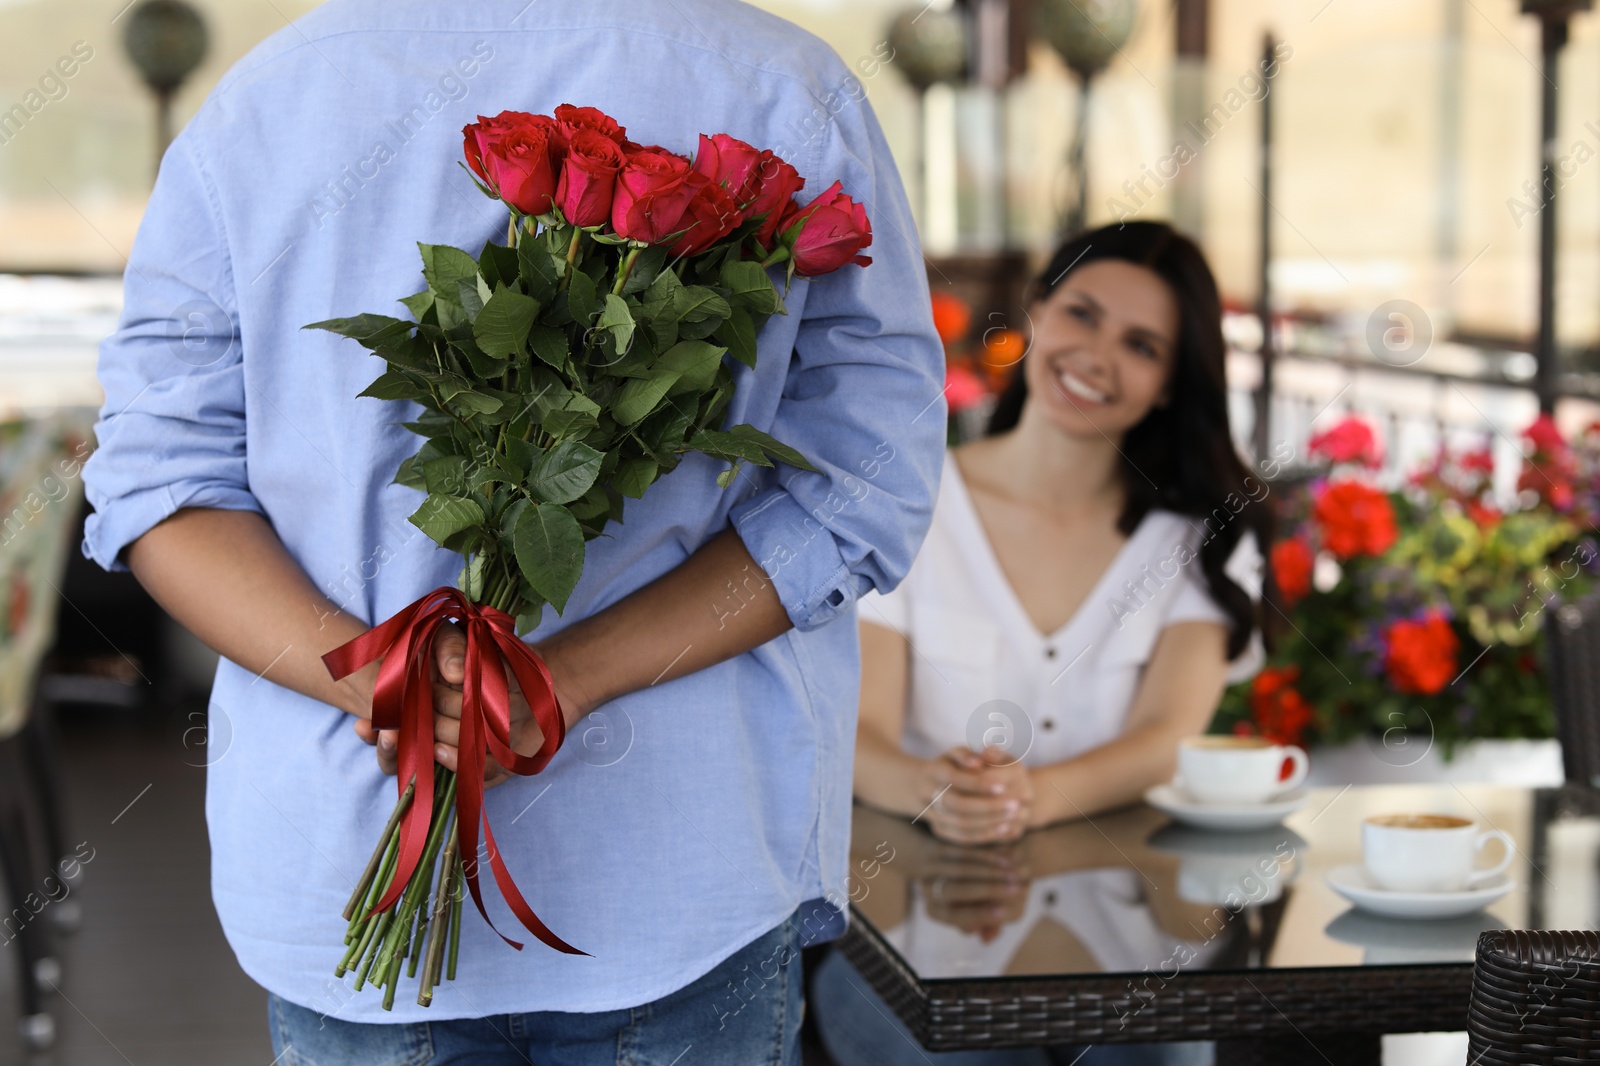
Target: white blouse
column 981, row 673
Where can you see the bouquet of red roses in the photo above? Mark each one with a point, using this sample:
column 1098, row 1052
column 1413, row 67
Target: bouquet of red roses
column 557, row 375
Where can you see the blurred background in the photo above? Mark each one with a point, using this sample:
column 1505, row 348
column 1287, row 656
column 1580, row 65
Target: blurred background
column 1401, row 202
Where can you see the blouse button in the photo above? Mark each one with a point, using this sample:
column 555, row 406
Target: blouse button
column 1049, row 653
column 1048, row 724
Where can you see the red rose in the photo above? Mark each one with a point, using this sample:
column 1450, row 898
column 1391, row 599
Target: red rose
column 571, row 120
column 654, row 190
column 775, row 187
column 1356, row 519
column 833, row 228
column 1291, row 568
column 1421, row 658
column 588, row 178
column 732, row 164
column 518, row 156
column 1280, row 713
column 712, row 215
column 1351, row 441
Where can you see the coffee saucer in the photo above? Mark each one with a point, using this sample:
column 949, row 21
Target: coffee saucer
column 1351, row 882
column 1177, row 804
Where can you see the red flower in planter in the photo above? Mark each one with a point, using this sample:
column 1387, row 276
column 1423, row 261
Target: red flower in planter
column 1291, row 569
column 1422, row 653
column 1281, row 714
column 1351, row 441
column 1355, row 519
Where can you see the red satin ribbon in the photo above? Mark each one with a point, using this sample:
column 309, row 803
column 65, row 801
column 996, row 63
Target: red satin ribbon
column 403, row 701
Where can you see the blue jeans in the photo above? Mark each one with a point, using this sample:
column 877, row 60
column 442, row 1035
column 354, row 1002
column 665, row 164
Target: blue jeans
column 860, row 1029
column 763, row 1031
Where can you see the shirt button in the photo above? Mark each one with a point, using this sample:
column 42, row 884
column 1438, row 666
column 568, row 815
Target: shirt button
column 1048, row 724
column 1049, row 653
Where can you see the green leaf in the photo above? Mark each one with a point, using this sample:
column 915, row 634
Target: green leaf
column 772, row 446
column 498, row 264
column 694, row 363
column 696, row 303
column 645, row 269
column 549, row 546
column 750, row 287
column 618, row 320
column 448, row 271
column 635, row 476
column 549, row 344
column 409, row 474
column 419, row 303
column 395, row 385
column 566, row 472
column 473, row 403
column 699, row 329
column 484, row 366
column 640, row 396
column 592, row 504
column 738, row 333
column 523, row 456
column 502, row 327
column 725, row 478
column 528, row 620
column 582, row 301
column 720, row 445
column 370, row 331
column 446, row 476
column 442, row 517
column 537, row 268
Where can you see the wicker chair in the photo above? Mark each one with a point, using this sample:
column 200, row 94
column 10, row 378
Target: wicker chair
column 1572, row 632
column 1535, row 998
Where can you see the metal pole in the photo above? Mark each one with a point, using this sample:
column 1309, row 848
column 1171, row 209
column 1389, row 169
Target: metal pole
column 1261, row 437
column 1549, row 367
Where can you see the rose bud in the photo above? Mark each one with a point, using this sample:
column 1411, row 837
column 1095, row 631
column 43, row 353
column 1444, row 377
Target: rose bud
column 589, row 178
column 712, row 215
column 572, row 119
column 827, row 233
column 653, row 191
column 512, row 154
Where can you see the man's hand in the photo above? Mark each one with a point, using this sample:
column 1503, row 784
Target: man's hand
column 978, row 798
column 448, row 672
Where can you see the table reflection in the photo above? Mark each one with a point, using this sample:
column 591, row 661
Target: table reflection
column 1131, row 892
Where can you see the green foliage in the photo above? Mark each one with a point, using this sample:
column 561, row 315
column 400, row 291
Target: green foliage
column 558, row 377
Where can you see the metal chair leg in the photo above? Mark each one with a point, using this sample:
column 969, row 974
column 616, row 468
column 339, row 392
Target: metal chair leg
column 37, row 965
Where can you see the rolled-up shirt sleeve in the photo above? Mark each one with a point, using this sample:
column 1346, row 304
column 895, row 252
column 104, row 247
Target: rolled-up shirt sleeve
column 172, row 431
column 864, row 402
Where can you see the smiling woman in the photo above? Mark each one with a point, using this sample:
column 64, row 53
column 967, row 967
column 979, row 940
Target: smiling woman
column 1084, row 592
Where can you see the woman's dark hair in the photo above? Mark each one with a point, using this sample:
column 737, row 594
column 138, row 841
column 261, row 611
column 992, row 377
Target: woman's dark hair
column 1180, row 457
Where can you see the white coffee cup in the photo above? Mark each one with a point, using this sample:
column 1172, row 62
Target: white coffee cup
column 1217, row 769
column 1428, row 852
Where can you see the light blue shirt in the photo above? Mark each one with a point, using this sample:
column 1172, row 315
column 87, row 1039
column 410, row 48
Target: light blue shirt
column 677, row 823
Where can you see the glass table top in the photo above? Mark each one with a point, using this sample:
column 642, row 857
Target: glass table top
column 1132, row 892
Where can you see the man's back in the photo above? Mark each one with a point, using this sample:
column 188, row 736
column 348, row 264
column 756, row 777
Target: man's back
column 713, row 805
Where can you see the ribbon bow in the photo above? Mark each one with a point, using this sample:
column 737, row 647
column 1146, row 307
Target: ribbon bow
column 403, row 700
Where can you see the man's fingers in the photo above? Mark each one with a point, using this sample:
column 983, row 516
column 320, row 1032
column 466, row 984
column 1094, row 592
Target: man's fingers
column 366, row 731
column 446, row 700
column 450, row 654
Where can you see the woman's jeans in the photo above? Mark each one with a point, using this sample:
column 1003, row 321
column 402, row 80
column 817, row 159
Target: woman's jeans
column 690, row 1026
column 859, row 1029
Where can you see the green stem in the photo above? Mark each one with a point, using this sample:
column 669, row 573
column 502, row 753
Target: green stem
column 627, row 268
column 572, row 257
column 458, row 889
column 378, row 852
column 511, row 231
